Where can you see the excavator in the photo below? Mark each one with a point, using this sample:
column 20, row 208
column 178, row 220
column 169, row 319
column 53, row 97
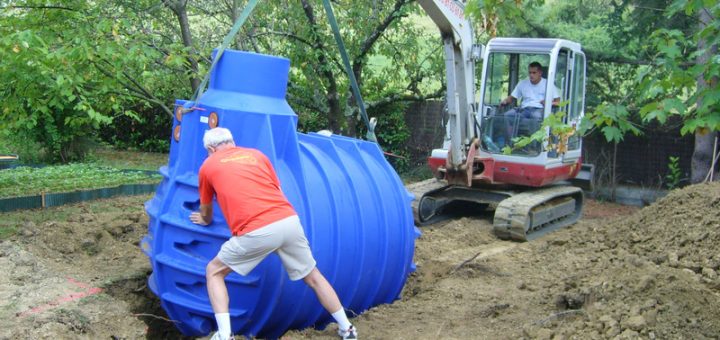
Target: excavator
column 534, row 188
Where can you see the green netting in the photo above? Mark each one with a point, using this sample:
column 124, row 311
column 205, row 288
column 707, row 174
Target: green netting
column 17, row 203
column 57, row 199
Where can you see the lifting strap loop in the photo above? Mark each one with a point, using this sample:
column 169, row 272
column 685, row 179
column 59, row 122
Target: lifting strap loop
column 353, row 82
column 195, row 101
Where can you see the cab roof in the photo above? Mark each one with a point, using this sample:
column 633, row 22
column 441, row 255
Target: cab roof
column 530, row 45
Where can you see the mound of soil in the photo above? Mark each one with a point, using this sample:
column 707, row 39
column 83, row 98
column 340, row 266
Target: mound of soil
column 620, row 273
column 77, row 272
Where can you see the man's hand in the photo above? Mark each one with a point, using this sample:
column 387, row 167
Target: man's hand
column 196, row 218
column 506, row 101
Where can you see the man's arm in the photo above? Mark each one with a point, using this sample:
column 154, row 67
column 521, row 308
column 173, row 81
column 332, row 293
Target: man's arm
column 555, row 94
column 507, row 100
column 514, row 95
column 555, row 102
column 204, row 216
column 206, row 192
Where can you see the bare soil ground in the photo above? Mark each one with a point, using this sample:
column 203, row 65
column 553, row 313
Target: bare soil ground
column 76, row 272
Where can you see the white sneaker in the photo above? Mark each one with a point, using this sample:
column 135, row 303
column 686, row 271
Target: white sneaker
column 349, row 334
column 217, row 336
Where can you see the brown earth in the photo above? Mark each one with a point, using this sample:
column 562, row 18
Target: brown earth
column 77, row 272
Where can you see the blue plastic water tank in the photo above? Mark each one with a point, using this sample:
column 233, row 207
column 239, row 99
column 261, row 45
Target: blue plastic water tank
column 355, row 210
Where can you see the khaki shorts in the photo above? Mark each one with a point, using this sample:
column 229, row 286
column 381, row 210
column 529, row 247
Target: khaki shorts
column 285, row 237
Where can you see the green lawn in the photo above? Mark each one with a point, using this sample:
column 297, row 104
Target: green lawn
column 28, row 181
column 108, row 157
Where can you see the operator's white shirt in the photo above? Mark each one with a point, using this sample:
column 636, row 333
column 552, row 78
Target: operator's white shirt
column 531, row 94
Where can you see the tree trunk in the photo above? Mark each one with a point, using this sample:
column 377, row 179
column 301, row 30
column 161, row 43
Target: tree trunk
column 351, row 120
column 702, row 156
column 365, row 48
column 704, row 141
column 179, row 7
column 332, row 96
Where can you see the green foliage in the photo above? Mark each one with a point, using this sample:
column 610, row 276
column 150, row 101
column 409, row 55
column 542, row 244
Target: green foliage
column 671, row 88
column 416, row 174
column 496, row 14
column 149, row 132
column 311, row 121
column 28, row 151
column 81, row 67
column 24, row 181
column 673, row 177
column 613, row 120
column 71, row 69
column 392, row 133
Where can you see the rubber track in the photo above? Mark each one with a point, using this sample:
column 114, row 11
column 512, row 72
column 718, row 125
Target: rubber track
column 512, row 214
column 419, row 189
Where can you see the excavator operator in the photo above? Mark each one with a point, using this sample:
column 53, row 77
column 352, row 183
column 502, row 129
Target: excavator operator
column 531, row 92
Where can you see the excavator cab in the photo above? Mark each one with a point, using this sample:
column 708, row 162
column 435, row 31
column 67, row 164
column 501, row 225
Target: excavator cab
column 506, row 64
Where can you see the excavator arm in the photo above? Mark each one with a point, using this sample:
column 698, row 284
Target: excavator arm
column 460, row 56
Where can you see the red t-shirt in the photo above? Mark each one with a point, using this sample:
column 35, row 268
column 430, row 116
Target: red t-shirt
column 247, row 189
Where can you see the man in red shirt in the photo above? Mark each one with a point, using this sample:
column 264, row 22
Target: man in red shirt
column 261, row 220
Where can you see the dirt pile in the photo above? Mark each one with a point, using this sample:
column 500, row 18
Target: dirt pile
column 682, row 230
column 651, row 275
column 620, row 273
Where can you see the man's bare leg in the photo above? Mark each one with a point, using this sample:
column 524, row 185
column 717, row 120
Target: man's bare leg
column 215, row 274
column 328, row 298
column 325, row 293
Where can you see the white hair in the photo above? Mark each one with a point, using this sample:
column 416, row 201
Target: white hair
column 217, row 136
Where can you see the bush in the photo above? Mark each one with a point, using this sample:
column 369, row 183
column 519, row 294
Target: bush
column 150, row 133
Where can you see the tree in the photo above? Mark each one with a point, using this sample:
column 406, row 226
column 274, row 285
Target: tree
column 72, row 68
column 685, row 82
column 387, row 52
column 708, row 100
column 179, row 7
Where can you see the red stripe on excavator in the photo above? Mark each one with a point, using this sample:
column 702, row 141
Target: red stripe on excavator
column 521, row 174
column 533, row 175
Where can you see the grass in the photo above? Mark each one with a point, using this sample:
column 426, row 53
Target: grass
column 7, row 231
column 108, row 157
column 416, row 174
column 104, row 168
column 14, row 222
column 27, row 181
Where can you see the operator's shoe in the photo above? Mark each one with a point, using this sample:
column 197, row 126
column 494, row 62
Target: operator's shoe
column 217, row 336
column 349, row 334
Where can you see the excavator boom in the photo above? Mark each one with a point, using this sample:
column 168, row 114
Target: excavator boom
column 460, row 56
